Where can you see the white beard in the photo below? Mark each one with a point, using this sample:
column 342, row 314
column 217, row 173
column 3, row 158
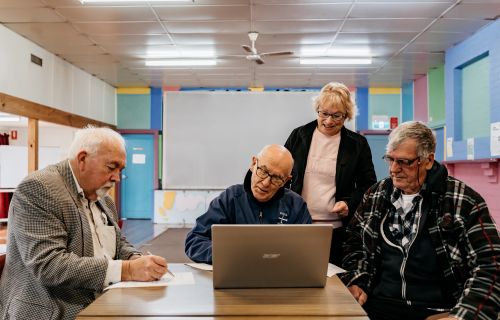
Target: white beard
column 102, row 191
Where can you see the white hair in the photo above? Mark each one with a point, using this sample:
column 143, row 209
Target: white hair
column 416, row 130
column 90, row 138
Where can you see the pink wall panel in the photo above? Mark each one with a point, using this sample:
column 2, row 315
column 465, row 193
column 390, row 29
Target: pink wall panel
column 473, row 175
column 421, row 111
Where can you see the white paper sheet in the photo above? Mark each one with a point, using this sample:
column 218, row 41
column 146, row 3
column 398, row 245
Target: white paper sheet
column 180, row 279
column 333, row 270
column 3, row 248
column 201, row 266
column 495, row 139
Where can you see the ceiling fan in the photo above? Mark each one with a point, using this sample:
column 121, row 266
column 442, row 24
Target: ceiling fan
column 254, row 55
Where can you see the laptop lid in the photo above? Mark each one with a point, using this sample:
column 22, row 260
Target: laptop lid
column 270, row 256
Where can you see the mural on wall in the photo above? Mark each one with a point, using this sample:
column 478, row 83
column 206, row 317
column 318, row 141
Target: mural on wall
column 181, row 207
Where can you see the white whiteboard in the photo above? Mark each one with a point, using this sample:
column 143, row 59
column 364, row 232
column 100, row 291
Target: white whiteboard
column 209, row 138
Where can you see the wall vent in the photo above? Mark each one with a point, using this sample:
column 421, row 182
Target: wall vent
column 36, row 60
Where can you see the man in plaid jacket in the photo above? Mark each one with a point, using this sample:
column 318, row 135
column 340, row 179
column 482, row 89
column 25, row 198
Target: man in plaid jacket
column 422, row 243
column 64, row 246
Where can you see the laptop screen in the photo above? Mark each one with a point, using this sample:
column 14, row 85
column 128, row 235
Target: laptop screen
column 270, row 256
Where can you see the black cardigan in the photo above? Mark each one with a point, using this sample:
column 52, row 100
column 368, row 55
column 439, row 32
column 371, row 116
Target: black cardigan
column 355, row 171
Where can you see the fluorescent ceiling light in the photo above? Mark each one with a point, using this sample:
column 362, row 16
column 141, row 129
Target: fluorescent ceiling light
column 338, row 52
column 111, row 1
column 184, row 55
column 177, row 62
column 334, row 61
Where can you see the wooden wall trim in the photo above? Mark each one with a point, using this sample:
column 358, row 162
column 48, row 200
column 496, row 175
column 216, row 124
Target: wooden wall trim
column 32, row 145
column 33, row 110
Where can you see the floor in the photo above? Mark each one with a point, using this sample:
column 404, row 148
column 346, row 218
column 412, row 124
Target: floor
column 157, row 238
column 139, row 232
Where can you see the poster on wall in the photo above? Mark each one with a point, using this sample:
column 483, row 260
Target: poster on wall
column 380, row 122
column 470, row 149
column 495, row 139
column 449, row 147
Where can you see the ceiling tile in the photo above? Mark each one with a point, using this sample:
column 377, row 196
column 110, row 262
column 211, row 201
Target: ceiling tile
column 398, row 10
column 203, row 13
column 120, row 28
column 385, row 25
column 111, row 14
column 130, row 39
column 208, row 26
column 297, row 26
column 8, row 15
column 300, row 11
column 458, row 25
column 374, row 37
column 477, row 11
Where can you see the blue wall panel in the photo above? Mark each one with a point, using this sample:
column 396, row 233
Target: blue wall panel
column 156, row 108
column 362, row 104
column 485, row 40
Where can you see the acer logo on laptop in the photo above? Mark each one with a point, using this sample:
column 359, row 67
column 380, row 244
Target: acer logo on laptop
column 271, row 255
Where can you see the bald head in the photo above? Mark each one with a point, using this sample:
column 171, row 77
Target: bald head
column 271, row 169
column 278, row 155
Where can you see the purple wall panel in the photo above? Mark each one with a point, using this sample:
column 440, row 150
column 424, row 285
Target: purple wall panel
column 421, row 111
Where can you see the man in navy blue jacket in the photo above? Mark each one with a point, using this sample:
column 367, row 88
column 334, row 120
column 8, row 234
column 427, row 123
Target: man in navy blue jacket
column 262, row 199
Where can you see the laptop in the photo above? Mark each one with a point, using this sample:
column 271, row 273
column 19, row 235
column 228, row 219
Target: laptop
column 271, row 255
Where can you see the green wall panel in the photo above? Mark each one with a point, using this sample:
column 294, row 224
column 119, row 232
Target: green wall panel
column 384, row 105
column 435, row 80
column 134, row 111
column 476, row 99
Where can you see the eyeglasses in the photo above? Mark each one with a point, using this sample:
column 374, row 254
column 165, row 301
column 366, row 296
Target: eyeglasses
column 337, row 116
column 263, row 174
column 404, row 163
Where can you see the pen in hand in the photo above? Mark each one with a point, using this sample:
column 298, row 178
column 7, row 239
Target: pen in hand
column 168, row 271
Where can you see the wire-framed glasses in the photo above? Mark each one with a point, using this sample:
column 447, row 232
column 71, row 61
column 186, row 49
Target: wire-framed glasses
column 263, row 174
column 337, row 116
column 404, row 163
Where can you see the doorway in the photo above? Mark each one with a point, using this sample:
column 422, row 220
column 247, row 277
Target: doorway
column 139, row 178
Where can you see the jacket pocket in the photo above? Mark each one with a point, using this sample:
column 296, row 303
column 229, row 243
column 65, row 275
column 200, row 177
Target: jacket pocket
column 22, row 310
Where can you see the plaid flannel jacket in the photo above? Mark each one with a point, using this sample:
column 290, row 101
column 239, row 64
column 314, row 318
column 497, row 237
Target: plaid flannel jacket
column 464, row 235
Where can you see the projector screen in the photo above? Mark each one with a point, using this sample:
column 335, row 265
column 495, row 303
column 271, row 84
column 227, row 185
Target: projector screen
column 209, row 138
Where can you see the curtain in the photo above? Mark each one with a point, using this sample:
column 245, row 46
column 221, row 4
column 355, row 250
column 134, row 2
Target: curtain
column 4, row 196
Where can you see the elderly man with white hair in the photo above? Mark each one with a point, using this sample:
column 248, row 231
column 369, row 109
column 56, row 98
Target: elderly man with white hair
column 64, row 244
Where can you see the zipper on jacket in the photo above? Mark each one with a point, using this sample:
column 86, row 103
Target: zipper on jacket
column 260, row 216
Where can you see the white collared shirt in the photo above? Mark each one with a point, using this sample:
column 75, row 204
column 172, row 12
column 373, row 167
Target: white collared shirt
column 103, row 235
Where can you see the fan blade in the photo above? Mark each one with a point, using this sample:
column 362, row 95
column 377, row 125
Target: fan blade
column 259, row 61
column 277, row 53
column 247, row 48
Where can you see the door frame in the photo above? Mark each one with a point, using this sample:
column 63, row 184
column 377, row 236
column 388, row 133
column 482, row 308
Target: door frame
column 156, row 135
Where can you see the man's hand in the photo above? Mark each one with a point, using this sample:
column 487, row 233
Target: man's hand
column 441, row 316
column 341, row 209
column 144, row 268
column 358, row 294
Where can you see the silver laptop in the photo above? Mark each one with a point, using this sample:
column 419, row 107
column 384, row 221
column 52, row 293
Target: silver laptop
column 270, row 256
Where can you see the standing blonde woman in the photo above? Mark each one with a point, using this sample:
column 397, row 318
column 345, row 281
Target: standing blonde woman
column 333, row 165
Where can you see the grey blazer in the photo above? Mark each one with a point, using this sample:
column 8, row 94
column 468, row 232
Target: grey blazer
column 50, row 270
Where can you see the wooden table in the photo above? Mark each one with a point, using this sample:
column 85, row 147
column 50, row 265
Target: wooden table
column 201, row 300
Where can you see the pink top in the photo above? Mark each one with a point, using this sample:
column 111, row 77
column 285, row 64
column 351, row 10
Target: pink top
column 319, row 178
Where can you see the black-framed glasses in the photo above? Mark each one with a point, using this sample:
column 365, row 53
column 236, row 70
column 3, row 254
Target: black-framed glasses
column 406, row 163
column 337, row 116
column 263, row 174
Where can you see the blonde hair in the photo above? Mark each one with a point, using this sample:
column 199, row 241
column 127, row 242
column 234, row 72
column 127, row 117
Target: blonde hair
column 335, row 94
